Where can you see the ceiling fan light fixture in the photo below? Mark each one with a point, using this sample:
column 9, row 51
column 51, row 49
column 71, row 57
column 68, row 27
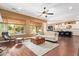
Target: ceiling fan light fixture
column 46, row 12
column 19, row 8
column 70, row 7
column 44, row 8
column 46, row 16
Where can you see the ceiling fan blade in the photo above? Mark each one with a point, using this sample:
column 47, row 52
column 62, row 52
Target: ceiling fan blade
column 50, row 13
column 47, row 10
column 40, row 15
column 44, row 8
column 46, row 16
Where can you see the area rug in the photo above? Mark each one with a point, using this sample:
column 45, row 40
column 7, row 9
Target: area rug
column 40, row 49
column 3, row 50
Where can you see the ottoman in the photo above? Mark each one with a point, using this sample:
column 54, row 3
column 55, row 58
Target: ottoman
column 38, row 40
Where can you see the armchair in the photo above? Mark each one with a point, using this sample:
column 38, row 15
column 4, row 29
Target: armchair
column 6, row 36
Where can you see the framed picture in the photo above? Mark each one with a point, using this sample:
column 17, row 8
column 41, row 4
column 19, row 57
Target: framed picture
column 68, row 27
column 49, row 28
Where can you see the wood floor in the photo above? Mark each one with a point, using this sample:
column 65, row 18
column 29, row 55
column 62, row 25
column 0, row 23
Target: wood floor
column 67, row 47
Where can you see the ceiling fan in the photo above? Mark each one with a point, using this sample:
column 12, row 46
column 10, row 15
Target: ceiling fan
column 46, row 12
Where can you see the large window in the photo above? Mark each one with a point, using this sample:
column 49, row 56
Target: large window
column 1, row 28
column 39, row 30
column 36, row 30
column 14, row 29
column 33, row 29
column 19, row 29
column 11, row 29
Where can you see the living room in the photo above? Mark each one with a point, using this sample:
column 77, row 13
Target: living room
column 39, row 29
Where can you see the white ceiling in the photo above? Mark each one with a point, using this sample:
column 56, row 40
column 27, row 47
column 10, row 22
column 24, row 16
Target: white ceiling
column 62, row 11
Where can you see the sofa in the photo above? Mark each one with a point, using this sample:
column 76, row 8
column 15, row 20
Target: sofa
column 50, row 36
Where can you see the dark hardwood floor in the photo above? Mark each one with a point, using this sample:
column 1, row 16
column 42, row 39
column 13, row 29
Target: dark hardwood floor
column 67, row 47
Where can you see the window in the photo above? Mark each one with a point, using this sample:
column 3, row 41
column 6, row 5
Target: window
column 39, row 30
column 1, row 28
column 36, row 30
column 19, row 29
column 11, row 29
column 33, row 29
column 14, row 29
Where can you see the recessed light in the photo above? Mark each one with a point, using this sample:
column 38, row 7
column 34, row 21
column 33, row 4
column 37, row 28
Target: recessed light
column 70, row 7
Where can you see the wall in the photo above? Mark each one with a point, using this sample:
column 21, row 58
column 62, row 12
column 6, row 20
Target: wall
column 75, row 29
column 63, row 26
column 11, row 17
column 45, row 29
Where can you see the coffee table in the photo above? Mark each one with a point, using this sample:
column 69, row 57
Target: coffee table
column 19, row 39
column 38, row 40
